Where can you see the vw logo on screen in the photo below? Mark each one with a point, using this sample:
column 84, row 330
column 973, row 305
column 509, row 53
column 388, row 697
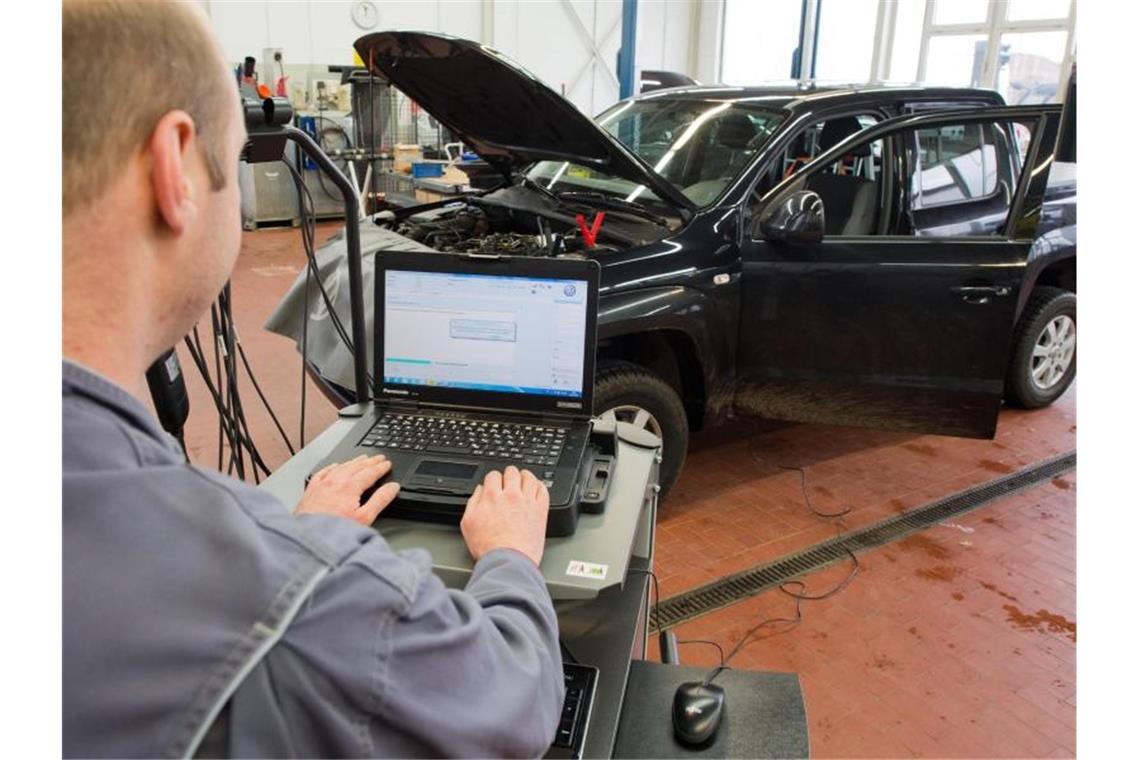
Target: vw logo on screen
column 569, row 290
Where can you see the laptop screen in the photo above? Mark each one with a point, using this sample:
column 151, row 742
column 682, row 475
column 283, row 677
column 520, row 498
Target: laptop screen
column 507, row 334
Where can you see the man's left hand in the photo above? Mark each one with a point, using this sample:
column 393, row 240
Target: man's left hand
column 336, row 490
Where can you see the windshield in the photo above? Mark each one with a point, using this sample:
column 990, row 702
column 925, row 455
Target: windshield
column 699, row 146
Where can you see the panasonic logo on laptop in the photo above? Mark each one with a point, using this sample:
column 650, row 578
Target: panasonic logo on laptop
column 398, row 393
column 569, row 405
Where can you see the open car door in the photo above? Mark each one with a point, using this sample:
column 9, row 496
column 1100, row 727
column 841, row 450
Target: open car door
column 881, row 282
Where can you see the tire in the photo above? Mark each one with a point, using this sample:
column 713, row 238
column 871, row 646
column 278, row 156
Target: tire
column 634, row 394
column 1032, row 381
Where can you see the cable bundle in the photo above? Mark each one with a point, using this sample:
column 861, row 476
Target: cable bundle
column 222, row 384
column 234, row 434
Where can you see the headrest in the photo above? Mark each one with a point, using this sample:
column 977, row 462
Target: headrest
column 799, row 144
column 836, row 131
column 735, row 130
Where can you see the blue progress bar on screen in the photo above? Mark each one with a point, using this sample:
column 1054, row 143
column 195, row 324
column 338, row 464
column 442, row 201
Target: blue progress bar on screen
column 408, row 361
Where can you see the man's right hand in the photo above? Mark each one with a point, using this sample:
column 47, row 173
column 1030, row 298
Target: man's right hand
column 508, row 511
column 336, row 490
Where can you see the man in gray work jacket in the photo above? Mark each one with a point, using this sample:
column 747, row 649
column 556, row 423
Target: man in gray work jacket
column 199, row 614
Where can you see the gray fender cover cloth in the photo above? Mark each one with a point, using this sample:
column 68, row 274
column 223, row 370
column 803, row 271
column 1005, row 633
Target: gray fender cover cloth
column 324, row 348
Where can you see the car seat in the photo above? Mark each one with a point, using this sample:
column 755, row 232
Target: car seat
column 850, row 202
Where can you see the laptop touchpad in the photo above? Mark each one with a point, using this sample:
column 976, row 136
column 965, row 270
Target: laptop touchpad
column 442, row 476
column 433, row 468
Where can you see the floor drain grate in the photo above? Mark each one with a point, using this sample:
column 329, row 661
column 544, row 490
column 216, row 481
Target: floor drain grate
column 731, row 589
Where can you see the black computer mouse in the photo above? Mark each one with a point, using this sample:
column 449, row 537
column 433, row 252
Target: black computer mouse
column 697, row 710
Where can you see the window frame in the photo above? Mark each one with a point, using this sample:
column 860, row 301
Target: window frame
column 996, row 24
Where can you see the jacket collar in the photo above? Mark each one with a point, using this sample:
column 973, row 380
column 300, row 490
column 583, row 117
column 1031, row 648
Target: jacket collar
column 79, row 380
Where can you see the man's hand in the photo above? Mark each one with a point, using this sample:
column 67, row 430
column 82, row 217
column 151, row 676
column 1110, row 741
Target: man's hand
column 507, row 512
column 336, row 490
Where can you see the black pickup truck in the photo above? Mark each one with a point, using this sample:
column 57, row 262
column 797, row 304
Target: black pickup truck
column 881, row 256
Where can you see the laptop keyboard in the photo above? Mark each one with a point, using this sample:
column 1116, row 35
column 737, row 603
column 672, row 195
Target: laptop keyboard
column 571, row 734
column 525, row 444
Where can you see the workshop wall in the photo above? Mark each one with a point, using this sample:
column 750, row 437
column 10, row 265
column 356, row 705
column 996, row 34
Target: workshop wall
column 556, row 39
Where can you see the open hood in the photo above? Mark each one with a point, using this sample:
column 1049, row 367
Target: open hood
column 499, row 110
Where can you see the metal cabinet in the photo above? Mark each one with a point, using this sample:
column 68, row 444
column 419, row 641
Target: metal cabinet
column 268, row 195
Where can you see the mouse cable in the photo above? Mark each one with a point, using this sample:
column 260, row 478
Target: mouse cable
column 707, row 642
column 803, row 482
column 800, row 596
column 657, row 613
column 656, row 590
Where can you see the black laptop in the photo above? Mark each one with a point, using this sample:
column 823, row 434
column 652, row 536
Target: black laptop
column 479, row 362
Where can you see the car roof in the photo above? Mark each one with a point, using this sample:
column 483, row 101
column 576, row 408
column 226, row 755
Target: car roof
column 793, row 96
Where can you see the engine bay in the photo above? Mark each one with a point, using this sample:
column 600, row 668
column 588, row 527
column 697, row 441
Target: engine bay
column 474, row 226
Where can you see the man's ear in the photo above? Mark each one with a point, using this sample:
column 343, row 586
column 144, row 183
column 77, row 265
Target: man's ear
column 171, row 148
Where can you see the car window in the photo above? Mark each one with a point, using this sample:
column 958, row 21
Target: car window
column 806, row 146
column 962, row 177
column 699, row 146
column 954, row 163
column 851, row 190
column 951, row 180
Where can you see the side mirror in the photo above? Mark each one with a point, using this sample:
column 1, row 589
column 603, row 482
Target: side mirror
column 797, row 218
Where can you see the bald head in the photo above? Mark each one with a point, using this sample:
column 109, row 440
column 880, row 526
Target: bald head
column 126, row 63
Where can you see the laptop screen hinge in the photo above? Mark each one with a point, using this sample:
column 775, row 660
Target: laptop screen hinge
column 400, row 405
column 557, row 419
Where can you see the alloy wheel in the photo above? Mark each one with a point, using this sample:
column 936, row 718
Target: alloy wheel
column 636, row 416
column 1053, row 352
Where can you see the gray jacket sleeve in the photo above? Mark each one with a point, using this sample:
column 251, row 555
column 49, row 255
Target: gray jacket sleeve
column 385, row 661
column 484, row 665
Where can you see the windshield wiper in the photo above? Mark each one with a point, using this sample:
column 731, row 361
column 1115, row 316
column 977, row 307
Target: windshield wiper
column 528, row 182
column 607, row 201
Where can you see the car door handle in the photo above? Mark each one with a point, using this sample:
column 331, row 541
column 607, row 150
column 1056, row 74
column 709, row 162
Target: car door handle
column 980, row 294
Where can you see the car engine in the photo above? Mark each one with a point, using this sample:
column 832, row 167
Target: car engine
column 469, row 229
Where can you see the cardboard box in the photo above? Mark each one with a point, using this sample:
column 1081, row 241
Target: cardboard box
column 404, row 156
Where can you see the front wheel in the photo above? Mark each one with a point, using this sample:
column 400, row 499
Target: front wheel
column 630, row 393
column 1044, row 359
